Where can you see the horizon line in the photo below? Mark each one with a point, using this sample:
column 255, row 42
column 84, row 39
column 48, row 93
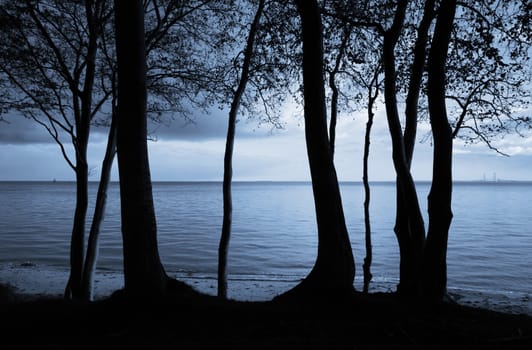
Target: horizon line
column 487, row 181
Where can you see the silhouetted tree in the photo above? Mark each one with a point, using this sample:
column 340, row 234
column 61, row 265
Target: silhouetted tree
column 89, row 266
column 477, row 76
column 189, row 50
column 144, row 274
column 410, row 236
column 411, row 241
column 373, row 92
column 176, row 82
column 439, row 200
column 488, row 67
column 359, row 49
column 107, row 72
column 53, row 60
column 228, row 157
column 334, row 269
column 257, row 82
column 409, row 226
column 333, row 85
column 49, row 56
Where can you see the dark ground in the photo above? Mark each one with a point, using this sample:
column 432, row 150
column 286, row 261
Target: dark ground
column 377, row 321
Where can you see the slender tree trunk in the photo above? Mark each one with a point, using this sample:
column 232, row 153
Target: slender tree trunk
column 228, row 158
column 410, row 227
column 99, row 211
column 334, row 112
column 372, row 97
column 439, row 200
column 83, row 120
column 409, row 250
column 143, row 272
column 334, row 89
column 416, row 78
column 334, row 270
column 367, row 198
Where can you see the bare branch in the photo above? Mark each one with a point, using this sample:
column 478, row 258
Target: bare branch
column 55, row 135
column 59, row 57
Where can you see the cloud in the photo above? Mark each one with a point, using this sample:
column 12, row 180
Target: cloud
column 515, row 144
column 19, row 130
column 187, row 152
column 512, row 144
column 518, row 150
column 208, row 126
column 205, row 126
column 201, row 127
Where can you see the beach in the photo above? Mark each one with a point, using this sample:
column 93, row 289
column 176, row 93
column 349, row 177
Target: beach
column 33, row 281
column 41, row 318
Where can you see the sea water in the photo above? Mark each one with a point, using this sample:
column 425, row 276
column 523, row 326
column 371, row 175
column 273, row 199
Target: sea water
column 274, row 233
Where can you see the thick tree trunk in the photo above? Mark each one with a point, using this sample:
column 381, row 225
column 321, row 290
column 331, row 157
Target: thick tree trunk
column 143, row 272
column 334, row 269
column 228, row 158
column 410, row 227
column 99, row 211
column 439, row 201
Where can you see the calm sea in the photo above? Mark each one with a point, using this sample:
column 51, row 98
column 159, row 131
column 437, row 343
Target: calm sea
column 274, row 230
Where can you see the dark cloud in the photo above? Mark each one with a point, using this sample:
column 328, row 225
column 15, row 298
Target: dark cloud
column 206, row 127
column 20, row 130
column 23, row 131
column 201, row 127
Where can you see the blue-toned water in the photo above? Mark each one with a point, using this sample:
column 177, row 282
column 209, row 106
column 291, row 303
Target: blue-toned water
column 274, row 231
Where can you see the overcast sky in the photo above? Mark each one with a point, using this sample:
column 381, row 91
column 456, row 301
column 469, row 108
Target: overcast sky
column 190, row 152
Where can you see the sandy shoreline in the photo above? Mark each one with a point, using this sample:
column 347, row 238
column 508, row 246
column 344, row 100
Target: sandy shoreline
column 31, row 280
column 35, row 281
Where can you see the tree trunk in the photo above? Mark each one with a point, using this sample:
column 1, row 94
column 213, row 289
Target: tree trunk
column 367, row 197
column 416, row 77
column 334, row 89
column 144, row 274
column 228, row 158
column 409, row 228
column 99, row 211
column 334, row 111
column 83, row 113
column 365, row 179
column 77, row 240
column 439, row 200
column 334, row 269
